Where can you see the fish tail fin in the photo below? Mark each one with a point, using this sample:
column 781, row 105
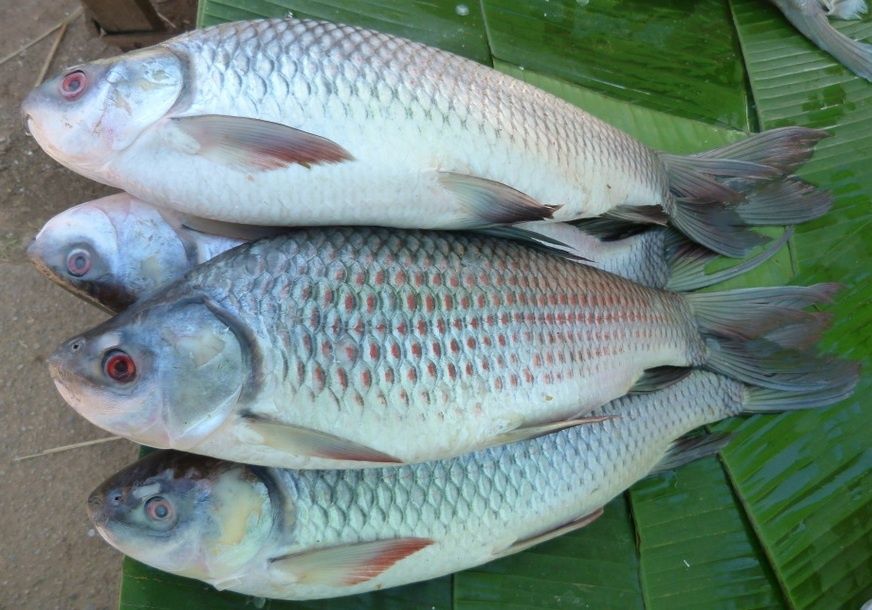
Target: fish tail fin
column 846, row 9
column 754, row 335
column 838, row 385
column 718, row 194
column 812, row 22
column 687, row 262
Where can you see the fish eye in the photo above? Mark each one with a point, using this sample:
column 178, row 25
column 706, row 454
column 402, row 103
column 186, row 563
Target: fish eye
column 73, row 84
column 78, row 262
column 159, row 509
column 119, row 366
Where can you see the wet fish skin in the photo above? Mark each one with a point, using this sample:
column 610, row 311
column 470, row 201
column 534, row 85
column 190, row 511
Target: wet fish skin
column 297, row 122
column 469, row 507
column 356, row 347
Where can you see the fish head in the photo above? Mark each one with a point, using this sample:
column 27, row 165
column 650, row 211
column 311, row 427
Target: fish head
column 86, row 115
column 110, row 251
column 166, row 372
column 186, row 514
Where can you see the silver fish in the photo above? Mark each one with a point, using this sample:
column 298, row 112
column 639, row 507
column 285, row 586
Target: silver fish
column 299, row 122
column 810, row 18
column 311, row 534
column 116, row 250
column 355, row 347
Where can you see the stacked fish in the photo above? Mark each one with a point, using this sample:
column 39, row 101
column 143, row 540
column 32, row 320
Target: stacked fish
column 434, row 370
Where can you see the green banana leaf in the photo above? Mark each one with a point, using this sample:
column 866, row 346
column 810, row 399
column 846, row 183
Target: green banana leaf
column 783, row 518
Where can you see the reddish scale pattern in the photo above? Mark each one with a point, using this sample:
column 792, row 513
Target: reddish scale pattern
column 438, row 314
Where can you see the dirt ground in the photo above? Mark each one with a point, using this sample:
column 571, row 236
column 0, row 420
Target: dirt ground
column 49, row 555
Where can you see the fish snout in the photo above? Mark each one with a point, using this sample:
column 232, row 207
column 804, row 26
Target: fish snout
column 60, row 360
column 96, row 505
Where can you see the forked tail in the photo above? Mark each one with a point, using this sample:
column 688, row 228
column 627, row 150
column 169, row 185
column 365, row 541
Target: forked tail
column 719, row 194
column 760, row 336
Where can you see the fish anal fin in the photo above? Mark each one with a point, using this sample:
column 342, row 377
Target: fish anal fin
column 525, row 433
column 494, row 203
column 346, row 565
column 658, row 378
column 313, row 443
column 690, row 448
column 256, row 145
column 530, row 541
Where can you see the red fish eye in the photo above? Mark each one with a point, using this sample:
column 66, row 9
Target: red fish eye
column 159, row 508
column 119, row 366
column 73, row 84
column 78, row 262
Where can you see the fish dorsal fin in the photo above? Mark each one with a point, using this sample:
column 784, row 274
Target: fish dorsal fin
column 345, row 565
column 690, row 448
column 541, row 240
column 253, row 144
column 611, row 229
column 651, row 214
column 297, row 440
column 493, row 203
column 232, row 230
column 525, row 433
column 525, row 543
column 658, row 378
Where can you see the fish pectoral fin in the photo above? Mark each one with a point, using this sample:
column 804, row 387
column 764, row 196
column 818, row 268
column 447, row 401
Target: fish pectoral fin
column 690, row 448
column 649, row 214
column 524, row 433
column 256, row 145
column 658, row 378
column 525, row 543
column 493, row 203
column 345, row 565
column 313, row 443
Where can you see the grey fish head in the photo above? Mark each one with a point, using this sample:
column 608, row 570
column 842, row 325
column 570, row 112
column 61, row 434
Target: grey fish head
column 111, row 251
column 186, row 514
column 85, row 115
column 164, row 374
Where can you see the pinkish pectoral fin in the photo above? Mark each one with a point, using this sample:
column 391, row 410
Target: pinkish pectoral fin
column 296, row 440
column 525, row 433
column 530, row 541
column 346, row 565
column 493, row 203
column 255, row 145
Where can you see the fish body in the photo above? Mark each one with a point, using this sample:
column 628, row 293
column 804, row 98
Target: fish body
column 355, row 347
column 117, row 250
column 295, row 534
column 300, row 122
column 810, row 18
column 462, row 512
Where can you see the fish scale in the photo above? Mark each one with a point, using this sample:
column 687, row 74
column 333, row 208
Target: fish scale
column 468, row 510
column 381, row 327
column 353, row 347
column 372, row 92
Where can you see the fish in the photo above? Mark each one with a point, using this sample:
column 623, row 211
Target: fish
column 117, row 250
column 357, row 347
column 810, row 18
column 301, row 122
column 304, row 534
